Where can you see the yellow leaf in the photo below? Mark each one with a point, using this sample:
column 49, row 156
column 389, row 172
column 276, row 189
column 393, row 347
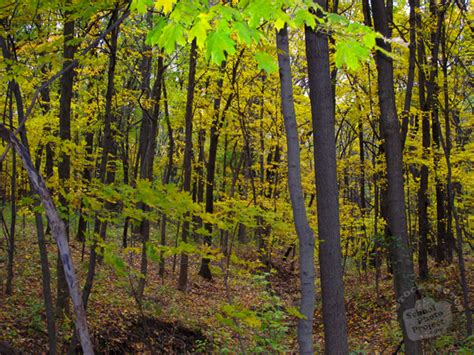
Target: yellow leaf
column 167, row 5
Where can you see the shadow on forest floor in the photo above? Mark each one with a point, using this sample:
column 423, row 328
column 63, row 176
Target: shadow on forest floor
column 149, row 335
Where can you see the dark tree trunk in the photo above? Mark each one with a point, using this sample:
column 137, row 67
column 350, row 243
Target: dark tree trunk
column 12, row 232
column 148, row 133
column 330, row 258
column 67, row 81
column 423, row 222
column 105, row 176
column 217, row 123
column 399, row 248
column 204, row 270
column 459, row 238
column 303, row 230
column 449, row 239
column 108, row 149
column 87, row 175
column 167, row 175
column 188, row 151
column 411, row 73
column 436, row 38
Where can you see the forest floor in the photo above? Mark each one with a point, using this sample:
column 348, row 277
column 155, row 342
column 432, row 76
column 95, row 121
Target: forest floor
column 240, row 312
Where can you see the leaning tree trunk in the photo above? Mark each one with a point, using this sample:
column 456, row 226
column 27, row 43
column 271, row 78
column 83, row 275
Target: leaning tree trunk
column 399, row 249
column 303, row 230
column 330, row 258
column 58, row 230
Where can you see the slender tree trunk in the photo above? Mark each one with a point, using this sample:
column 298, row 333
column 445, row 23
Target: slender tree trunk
column 441, row 198
column 108, row 149
column 188, row 151
column 148, row 140
column 46, row 276
column 167, row 175
column 106, row 176
column 303, row 230
column 43, row 251
column 399, row 249
column 87, row 176
column 12, row 232
column 58, row 230
column 67, row 80
column 459, row 241
column 423, row 222
column 204, row 270
column 449, row 215
column 330, row 258
column 411, row 72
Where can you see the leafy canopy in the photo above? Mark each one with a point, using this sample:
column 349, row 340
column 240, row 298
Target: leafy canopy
column 219, row 28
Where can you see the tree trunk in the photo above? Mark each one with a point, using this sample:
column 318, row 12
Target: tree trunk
column 399, row 249
column 423, row 222
column 168, row 174
column 67, row 81
column 449, row 239
column 303, row 230
column 217, row 123
column 148, row 133
column 330, row 258
column 411, row 72
column 188, row 151
column 204, row 270
column 58, row 230
column 12, row 232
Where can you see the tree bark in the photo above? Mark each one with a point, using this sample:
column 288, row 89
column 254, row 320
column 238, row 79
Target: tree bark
column 399, row 249
column 187, row 163
column 58, row 230
column 148, row 133
column 12, row 232
column 65, row 100
column 167, row 175
column 411, row 72
column 303, row 230
column 330, row 258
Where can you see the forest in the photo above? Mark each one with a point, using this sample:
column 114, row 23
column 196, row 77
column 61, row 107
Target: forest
column 236, row 176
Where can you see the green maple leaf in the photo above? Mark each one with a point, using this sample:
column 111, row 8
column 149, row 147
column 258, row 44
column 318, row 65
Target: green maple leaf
column 199, row 31
column 303, row 17
column 245, row 33
column 350, row 53
column 172, row 35
column 266, row 62
column 219, row 45
column 140, row 5
column 154, row 35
